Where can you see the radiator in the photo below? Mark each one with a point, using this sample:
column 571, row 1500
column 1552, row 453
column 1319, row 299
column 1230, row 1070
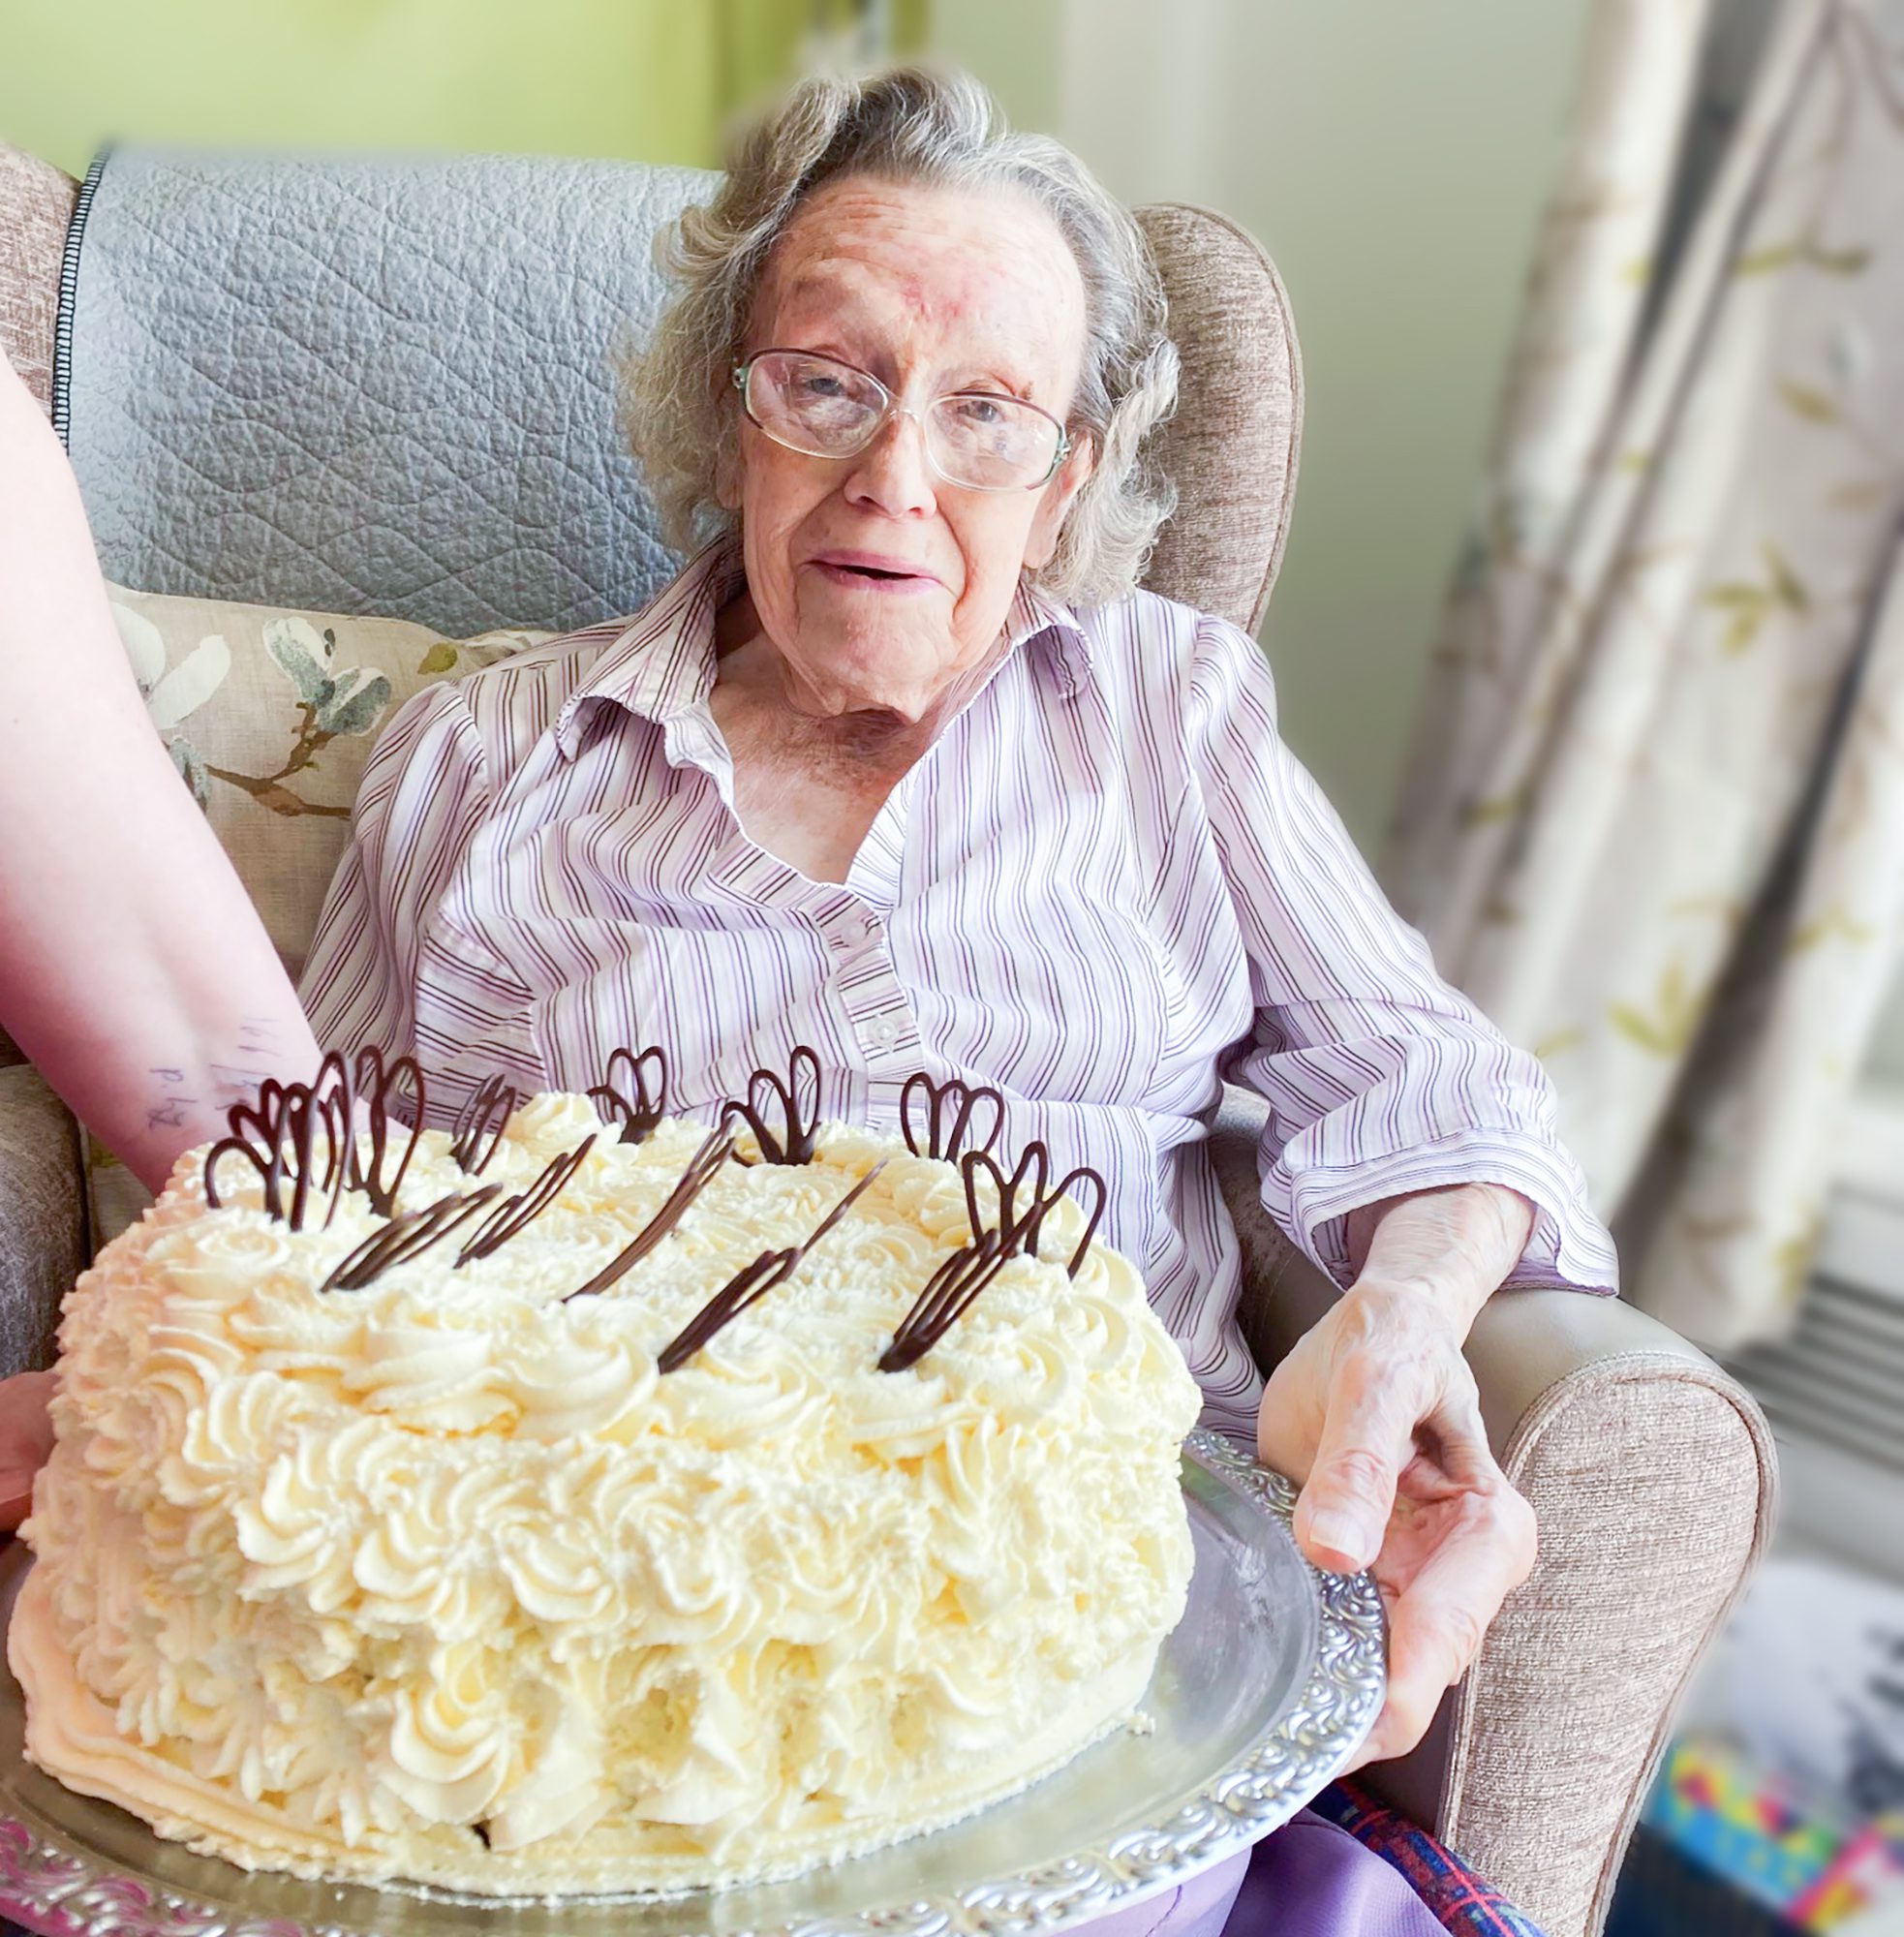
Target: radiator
column 1833, row 1390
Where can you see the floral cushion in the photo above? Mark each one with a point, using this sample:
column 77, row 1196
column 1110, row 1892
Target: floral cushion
column 269, row 716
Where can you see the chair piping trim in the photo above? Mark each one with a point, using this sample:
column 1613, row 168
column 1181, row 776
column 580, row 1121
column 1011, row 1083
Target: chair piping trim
column 68, row 290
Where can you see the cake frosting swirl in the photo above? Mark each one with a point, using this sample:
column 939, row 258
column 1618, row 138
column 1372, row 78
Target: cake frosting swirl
column 442, row 1577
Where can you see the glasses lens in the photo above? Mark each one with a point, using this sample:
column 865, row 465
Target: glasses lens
column 994, row 443
column 811, row 403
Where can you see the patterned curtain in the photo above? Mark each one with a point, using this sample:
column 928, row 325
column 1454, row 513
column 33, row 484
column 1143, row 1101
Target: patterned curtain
column 1655, row 820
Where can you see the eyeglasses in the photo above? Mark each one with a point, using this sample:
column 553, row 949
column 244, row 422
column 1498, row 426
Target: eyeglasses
column 979, row 439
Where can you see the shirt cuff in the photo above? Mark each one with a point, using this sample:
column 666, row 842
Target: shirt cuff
column 1569, row 1248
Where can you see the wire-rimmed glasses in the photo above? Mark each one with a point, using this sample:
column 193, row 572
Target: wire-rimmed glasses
column 982, row 439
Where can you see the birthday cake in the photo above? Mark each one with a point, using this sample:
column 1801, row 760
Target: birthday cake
column 585, row 1499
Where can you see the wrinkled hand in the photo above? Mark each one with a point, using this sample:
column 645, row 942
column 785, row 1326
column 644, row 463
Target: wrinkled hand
column 1376, row 1413
column 26, row 1438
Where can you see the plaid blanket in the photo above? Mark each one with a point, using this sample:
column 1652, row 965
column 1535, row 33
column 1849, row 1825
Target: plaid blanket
column 1453, row 1894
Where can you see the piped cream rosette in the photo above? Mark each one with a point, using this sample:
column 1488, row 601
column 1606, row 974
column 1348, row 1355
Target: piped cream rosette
column 441, row 1579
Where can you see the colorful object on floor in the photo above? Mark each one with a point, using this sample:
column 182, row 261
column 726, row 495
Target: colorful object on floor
column 1453, row 1894
column 1663, row 1892
column 1763, row 1834
column 1867, row 1871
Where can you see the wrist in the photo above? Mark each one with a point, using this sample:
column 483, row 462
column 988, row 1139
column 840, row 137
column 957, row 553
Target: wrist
column 1414, row 1301
column 1442, row 1251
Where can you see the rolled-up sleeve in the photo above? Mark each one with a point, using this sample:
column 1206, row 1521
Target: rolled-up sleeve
column 423, row 793
column 1381, row 1079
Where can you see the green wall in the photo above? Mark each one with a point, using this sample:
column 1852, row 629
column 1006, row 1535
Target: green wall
column 1394, row 156
column 642, row 79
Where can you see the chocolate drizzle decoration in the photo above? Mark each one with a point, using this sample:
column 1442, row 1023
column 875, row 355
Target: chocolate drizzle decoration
column 950, row 1289
column 486, row 1113
column 751, row 1283
column 306, row 1135
column 1019, row 1229
column 374, row 1083
column 702, row 1168
column 638, row 1101
column 962, row 1277
column 513, row 1214
column 305, row 1115
column 942, row 1138
column 296, row 1133
column 1033, row 1167
column 408, row 1236
column 412, row 1233
column 799, row 1101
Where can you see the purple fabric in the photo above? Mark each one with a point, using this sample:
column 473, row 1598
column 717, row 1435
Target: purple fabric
column 1308, row 1880
column 1311, row 1879
column 1347, row 1867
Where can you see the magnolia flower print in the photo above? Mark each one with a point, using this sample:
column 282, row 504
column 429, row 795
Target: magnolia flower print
column 339, row 700
column 333, row 703
column 173, row 694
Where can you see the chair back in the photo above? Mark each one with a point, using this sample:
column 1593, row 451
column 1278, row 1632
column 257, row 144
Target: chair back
column 381, row 383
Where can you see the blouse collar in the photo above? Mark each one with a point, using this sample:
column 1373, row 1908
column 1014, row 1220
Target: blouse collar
column 661, row 667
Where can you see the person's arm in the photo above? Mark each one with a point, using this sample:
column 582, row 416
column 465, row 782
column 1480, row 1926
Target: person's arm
column 1412, row 1152
column 1451, row 1247
column 26, row 1440
column 1383, row 1080
column 134, row 970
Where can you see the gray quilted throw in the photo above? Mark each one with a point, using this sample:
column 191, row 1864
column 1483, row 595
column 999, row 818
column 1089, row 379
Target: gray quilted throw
column 378, row 383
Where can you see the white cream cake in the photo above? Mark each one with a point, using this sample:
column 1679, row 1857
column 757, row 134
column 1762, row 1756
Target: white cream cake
column 357, row 1565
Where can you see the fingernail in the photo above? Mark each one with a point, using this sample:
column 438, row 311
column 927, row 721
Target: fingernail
column 1337, row 1530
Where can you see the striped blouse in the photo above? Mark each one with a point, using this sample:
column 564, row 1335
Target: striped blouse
column 1105, row 889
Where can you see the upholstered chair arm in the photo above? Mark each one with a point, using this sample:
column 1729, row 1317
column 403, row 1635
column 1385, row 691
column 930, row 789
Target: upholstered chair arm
column 1652, row 1475
column 42, row 1215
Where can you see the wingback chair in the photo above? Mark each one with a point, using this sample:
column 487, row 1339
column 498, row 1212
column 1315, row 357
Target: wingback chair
column 181, row 359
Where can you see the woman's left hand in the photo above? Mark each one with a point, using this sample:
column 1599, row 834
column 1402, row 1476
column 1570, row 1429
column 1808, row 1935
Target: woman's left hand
column 1375, row 1414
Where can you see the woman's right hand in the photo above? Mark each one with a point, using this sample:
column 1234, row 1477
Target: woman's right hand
column 26, row 1439
column 1375, row 1414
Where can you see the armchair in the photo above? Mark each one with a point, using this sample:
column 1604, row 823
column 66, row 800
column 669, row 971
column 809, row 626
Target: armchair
column 1650, row 1469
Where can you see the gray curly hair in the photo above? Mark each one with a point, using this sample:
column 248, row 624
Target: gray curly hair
column 908, row 124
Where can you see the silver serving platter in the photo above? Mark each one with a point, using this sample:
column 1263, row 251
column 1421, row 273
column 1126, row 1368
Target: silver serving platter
column 1261, row 1695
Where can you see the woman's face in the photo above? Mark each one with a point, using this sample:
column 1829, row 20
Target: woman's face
column 875, row 580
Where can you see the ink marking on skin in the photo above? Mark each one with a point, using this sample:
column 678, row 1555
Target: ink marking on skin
column 236, row 1082
column 169, row 1112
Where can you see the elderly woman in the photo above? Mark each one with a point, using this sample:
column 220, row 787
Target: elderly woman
column 900, row 766
column 904, row 767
